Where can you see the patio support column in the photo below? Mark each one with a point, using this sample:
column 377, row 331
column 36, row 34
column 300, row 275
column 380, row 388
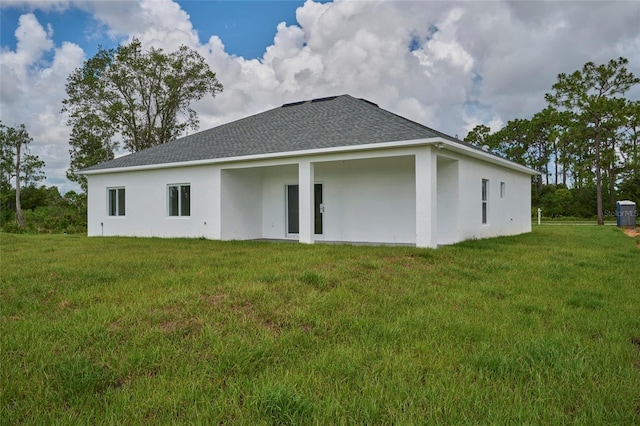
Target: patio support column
column 213, row 226
column 306, row 207
column 426, row 196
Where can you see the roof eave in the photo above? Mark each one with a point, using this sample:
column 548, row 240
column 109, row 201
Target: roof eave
column 438, row 142
column 484, row 155
column 269, row 156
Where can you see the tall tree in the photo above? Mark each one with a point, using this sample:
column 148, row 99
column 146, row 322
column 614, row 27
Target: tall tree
column 525, row 142
column 479, row 135
column 135, row 98
column 16, row 163
column 590, row 95
column 630, row 148
column 562, row 146
column 91, row 143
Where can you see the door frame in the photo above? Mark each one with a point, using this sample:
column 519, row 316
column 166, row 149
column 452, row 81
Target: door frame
column 318, row 208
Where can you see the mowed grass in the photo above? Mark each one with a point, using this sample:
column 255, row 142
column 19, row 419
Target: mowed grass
column 542, row 328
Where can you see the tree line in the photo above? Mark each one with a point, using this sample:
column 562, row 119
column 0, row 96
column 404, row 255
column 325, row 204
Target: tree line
column 585, row 142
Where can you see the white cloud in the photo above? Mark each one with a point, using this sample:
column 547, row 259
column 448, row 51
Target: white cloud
column 33, row 41
column 46, row 5
column 447, row 65
column 157, row 23
column 32, row 91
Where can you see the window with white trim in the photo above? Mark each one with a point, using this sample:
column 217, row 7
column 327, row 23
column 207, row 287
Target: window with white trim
column 116, row 201
column 503, row 191
column 179, row 200
column 485, row 201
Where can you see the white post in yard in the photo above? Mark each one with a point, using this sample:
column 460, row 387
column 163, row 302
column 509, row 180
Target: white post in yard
column 539, row 214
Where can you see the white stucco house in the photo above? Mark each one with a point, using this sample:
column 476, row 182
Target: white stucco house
column 336, row 169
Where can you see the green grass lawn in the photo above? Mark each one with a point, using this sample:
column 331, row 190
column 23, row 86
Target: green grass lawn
column 542, row 328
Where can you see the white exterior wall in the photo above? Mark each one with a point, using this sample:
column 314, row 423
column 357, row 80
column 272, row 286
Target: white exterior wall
column 508, row 216
column 241, row 204
column 146, row 205
column 369, row 200
column 368, row 197
column 274, row 199
column 447, row 200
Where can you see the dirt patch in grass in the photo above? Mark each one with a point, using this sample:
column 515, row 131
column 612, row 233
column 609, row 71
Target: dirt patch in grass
column 64, row 304
column 214, row 299
column 184, row 326
column 633, row 233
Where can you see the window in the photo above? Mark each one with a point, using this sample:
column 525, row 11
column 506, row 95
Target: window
column 485, row 200
column 502, row 190
column 116, row 201
column 179, row 200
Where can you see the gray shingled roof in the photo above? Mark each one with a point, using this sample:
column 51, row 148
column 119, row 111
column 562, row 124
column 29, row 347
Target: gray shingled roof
column 331, row 122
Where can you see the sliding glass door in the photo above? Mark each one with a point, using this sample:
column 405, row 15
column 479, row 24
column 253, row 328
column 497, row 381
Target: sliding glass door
column 293, row 209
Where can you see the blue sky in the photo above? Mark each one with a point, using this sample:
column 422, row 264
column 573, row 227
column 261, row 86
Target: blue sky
column 245, row 27
column 447, row 65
